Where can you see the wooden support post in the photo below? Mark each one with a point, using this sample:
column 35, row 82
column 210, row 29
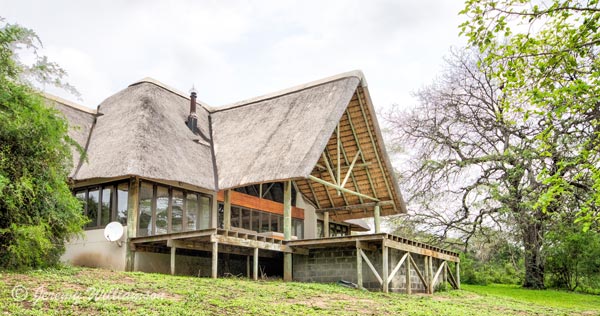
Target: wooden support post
column 359, row 277
column 458, row 275
column 133, row 203
column 408, row 280
column 215, row 259
column 255, row 265
column 173, row 251
column 287, row 228
column 445, row 273
column 385, row 268
column 227, row 210
column 248, row 267
column 326, row 224
column 431, row 277
column 426, row 272
column 377, row 219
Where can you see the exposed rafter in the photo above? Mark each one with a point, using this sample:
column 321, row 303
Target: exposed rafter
column 337, row 187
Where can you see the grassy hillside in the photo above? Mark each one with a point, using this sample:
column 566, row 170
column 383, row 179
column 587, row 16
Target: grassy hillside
column 77, row 291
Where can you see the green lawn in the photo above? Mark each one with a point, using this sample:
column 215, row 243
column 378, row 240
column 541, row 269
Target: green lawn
column 551, row 298
column 80, row 291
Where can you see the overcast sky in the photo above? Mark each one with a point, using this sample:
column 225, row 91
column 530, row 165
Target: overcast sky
column 233, row 50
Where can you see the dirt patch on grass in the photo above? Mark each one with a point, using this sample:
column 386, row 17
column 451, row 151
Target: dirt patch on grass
column 333, row 301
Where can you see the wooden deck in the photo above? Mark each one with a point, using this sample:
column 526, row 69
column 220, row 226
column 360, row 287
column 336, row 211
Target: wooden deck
column 254, row 245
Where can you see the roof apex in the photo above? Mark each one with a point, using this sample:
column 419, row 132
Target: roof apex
column 349, row 74
column 171, row 89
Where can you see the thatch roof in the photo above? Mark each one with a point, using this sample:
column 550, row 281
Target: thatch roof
column 141, row 131
column 81, row 120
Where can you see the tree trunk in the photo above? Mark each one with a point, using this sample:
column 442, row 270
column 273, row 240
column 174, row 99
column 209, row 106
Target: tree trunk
column 534, row 264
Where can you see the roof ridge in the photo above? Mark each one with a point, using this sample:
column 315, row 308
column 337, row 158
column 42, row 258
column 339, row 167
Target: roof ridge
column 172, row 90
column 354, row 73
column 68, row 103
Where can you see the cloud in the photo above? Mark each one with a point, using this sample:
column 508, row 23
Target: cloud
column 233, row 50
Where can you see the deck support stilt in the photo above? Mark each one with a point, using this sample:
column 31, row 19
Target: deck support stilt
column 377, row 219
column 255, row 265
column 215, row 259
column 408, row 280
column 248, row 275
column 458, row 276
column 173, row 252
column 385, row 268
column 359, row 276
column 287, row 229
column 132, row 221
column 431, row 276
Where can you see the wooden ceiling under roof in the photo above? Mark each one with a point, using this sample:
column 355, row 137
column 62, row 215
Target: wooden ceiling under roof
column 354, row 146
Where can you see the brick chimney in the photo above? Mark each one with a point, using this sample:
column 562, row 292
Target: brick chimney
column 192, row 121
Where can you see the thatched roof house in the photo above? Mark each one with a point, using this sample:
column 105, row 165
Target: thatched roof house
column 287, row 177
column 287, row 135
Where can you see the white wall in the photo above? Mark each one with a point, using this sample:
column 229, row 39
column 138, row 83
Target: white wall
column 93, row 250
column 310, row 217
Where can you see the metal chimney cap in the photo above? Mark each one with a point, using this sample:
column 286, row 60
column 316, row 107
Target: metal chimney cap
column 193, row 91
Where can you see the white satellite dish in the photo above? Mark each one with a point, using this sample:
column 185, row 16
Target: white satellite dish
column 113, row 231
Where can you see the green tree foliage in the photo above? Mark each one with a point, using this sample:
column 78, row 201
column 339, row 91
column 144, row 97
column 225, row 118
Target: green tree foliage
column 545, row 54
column 573, row 257
column 37, row 210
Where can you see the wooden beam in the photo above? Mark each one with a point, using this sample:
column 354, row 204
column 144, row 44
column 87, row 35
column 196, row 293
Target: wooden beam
column 359, row 278
column 375, row 148
column 315, row 197
column 356, row 140
column 384, row 268
column 426, row 270
column 419, row 274
column 350, row 169
column 354, row 207
column 337, row 187
column 227, row 210
column 133, row 205
column 377, row 219
column 328, row 166
column 397, row 267
column 420, row 250
column 339, row 164
column 326, row 224
column 354, row 182
column 215, row 260
column 437, row 274
column 255, row 265
column 364, row 256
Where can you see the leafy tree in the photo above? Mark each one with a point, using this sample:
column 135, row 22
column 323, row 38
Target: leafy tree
column 37, row 210
column 545, row 54
column 475, row 163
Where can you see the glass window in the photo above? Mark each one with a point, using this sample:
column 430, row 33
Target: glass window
column 177, row 212
column 246, row 218
column 145, row 220
column 255, row 221
column 106, row 205
column 192, row 211
column 275, row 223
column 204, row 218
column 264, row 222
column 235, row 216
column 320, row 230
column 92, row 207
column 122, row 202
column 298, row 228
column 162, row 210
